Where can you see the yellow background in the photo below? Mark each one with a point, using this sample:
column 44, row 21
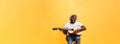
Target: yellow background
column 31, row 21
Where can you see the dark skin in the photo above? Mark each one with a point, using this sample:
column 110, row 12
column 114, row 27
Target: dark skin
column 73, row 20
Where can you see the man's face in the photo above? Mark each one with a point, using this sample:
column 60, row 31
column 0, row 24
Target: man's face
column 73, row 19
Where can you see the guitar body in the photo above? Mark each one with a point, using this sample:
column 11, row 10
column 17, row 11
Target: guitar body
column 75, row 28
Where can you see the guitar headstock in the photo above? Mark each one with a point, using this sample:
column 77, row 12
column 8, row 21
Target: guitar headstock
column 54, row 28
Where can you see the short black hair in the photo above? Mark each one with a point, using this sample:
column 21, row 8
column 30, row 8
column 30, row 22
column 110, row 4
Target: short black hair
column 73, row 15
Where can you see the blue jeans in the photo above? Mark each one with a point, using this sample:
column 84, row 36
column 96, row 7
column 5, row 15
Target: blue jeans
column 71, row 38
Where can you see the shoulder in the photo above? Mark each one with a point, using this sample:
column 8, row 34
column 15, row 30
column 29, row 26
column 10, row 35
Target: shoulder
column 67, row 23
column 79, row 23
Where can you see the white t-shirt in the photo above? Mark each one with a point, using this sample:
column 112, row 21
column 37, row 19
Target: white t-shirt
column 73, row 26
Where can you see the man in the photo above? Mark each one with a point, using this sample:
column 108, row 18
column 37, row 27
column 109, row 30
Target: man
column 75, row 36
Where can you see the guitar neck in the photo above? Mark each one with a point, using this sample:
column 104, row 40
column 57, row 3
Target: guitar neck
column 61, row 29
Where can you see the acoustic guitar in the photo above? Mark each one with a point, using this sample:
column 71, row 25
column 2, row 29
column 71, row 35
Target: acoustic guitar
column 70, row 31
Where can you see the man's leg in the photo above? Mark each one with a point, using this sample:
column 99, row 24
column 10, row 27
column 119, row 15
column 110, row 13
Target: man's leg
column 77, row 39
column 69, row 39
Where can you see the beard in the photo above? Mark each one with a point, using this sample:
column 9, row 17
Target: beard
column 72, row 21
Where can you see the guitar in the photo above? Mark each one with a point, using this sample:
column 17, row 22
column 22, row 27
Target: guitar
column 70, row 31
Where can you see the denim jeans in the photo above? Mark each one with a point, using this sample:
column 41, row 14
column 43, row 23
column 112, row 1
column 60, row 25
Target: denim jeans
column 71, row 38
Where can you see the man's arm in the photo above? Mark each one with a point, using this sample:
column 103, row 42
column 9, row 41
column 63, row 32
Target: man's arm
column 65, row 32
column 83, row 28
